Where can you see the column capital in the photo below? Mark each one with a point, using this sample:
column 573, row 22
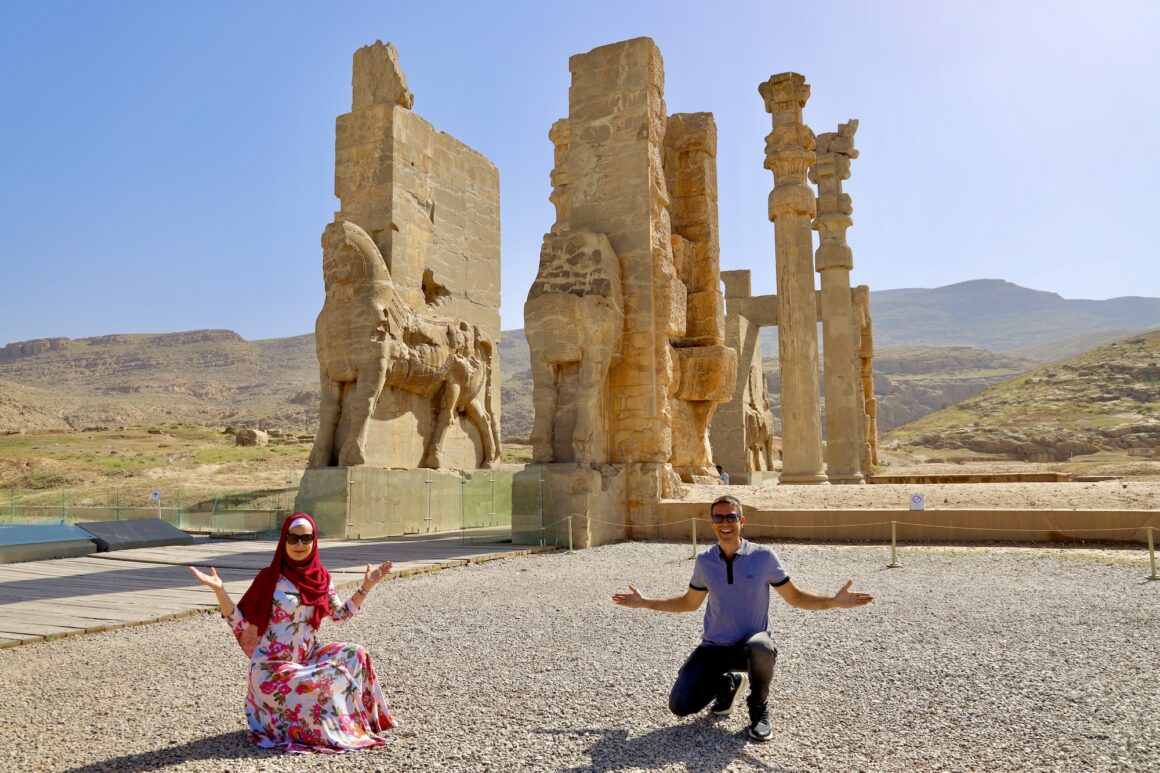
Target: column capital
column 785, row 94
column 840, row 142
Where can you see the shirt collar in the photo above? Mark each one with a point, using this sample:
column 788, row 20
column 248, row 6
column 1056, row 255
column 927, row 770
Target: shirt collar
column 745, row 548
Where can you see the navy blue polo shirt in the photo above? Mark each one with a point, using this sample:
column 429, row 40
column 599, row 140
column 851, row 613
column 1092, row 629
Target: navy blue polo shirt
column 738, row 591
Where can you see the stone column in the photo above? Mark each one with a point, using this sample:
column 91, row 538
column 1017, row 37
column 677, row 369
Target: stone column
column 834, row 262
column 789, row 153
column 865, row 324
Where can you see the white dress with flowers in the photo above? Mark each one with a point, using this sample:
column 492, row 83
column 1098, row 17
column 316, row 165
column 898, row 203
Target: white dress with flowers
column 304, row 696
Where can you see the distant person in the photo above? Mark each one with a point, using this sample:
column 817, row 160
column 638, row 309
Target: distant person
column 736, row 646
column 303, row 696
column 724, row 475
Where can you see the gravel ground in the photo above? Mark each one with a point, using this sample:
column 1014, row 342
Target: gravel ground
column 970, row 659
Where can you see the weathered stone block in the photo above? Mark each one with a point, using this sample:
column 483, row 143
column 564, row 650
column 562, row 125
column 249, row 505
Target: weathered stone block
column 707, row 373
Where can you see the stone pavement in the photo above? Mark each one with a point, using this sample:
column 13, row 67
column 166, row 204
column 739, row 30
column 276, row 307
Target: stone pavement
column 50, row 599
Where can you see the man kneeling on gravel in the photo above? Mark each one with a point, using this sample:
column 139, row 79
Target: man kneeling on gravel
column 736, row 646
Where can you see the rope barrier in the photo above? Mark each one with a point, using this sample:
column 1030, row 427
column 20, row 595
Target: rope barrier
column 984, row 528
column 893, row 532
column 590, row 519
column 842, row 526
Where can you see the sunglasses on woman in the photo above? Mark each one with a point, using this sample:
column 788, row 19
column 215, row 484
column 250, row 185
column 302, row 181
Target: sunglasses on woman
column 725, row 517
column 295, row 539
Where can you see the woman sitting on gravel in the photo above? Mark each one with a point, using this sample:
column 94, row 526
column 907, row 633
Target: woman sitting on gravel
column 303, row 696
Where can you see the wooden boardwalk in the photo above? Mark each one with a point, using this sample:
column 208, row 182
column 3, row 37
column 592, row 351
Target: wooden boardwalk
column 68, row 596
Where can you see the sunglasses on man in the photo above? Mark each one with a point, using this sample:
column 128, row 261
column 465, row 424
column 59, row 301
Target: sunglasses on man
column 295, row 539
column 725, row 517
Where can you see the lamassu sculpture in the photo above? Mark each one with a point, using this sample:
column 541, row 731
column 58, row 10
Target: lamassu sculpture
column 368, row 338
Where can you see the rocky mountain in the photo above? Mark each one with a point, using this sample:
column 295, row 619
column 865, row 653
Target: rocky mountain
column 1105, row 399
column 1000, row 316
column 935, row 348
column 211, row 377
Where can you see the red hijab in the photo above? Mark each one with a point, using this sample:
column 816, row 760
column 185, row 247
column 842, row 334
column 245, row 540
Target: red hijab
column 308, row 575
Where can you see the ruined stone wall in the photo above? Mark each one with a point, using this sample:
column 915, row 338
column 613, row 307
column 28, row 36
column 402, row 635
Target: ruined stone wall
column 617, row 187
column 635, row 398
column 431, row 205
column 743, row 432
column 706, row 367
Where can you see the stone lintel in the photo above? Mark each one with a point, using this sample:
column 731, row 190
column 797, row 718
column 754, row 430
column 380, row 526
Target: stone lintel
column 760, row 310
column 738, row 283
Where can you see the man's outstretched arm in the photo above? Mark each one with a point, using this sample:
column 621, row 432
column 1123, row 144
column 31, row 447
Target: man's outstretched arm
column 689, row 602
column 803, row 599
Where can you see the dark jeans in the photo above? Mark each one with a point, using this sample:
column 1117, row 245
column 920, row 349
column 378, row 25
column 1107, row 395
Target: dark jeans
column 700, row 677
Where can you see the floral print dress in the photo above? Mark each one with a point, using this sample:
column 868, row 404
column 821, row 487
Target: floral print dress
column 307, row 697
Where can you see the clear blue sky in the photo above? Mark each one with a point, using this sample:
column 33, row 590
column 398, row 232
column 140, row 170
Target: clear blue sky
column 169, row 166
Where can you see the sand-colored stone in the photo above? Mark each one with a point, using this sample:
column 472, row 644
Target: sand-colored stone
column 370, row 341
column 429, row 206
column 744, row 435
column 739, row 430
column 867, row 403
column 834, row 261
column 252, row 437
column 635, row 193
column 789, row 153
column 706, row 366
column 574, row 320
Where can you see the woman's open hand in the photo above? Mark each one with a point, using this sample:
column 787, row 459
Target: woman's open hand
column 374, row 576
column 210, row 580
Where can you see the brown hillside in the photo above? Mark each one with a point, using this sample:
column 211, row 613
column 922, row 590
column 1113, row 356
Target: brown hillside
column 913, row 381
column 1107, row 399
column 209, row 377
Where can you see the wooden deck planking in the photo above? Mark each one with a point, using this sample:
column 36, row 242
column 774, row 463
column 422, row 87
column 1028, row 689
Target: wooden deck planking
column 103, row 591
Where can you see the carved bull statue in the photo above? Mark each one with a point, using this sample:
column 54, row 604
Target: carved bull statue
column 574, row 321
column 368, row 338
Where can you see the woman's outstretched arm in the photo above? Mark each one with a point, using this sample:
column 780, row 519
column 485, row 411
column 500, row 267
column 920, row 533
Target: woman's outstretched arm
column 215, row 583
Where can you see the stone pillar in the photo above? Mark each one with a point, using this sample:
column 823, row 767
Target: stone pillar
column 861, row 295
column 614, row 173
column 834, row 261
column 744, row 435
column 789, row 153
column 706, row 367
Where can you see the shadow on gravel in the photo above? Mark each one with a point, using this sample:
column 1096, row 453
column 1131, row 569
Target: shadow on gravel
column 224, row 747
column 701, row 745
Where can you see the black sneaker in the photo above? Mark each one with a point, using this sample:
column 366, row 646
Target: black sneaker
column 760, row 728
column 732, row 685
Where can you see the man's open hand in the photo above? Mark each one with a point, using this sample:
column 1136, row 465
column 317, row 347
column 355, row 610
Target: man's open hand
column 631, row 599
column 844, row 599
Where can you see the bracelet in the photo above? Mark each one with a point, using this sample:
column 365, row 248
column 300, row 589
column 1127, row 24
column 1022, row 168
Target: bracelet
column 363, row 591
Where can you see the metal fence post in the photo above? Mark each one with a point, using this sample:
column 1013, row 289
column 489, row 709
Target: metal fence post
column 694, row 538
column 491, row 519
column 1152, row 555
column 893, row 546
column 348, row 492
column 569, row 534
column 463, row 506
column 430, row 482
